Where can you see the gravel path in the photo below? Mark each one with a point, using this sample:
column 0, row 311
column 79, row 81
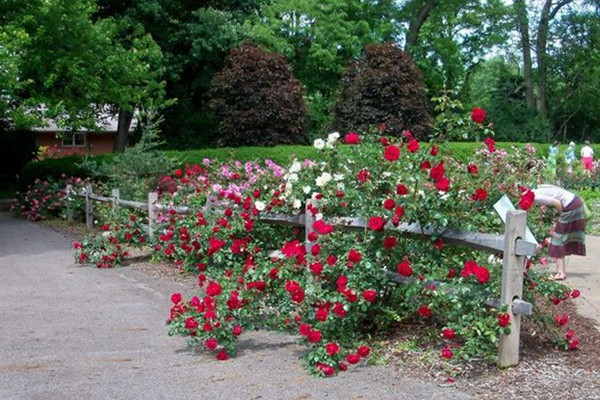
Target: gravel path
column 70, row 333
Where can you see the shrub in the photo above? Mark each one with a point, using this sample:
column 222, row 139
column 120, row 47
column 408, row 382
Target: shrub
column 18, row 148
column 384, row 87
column 257, row 100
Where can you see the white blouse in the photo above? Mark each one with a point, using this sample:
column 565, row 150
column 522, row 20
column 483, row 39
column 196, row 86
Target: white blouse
column 544, row 194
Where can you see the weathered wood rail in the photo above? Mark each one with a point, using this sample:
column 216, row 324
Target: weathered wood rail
column 512, row 245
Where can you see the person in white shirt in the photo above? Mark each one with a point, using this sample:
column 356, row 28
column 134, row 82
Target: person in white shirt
column 568, row 237
column 587, row 156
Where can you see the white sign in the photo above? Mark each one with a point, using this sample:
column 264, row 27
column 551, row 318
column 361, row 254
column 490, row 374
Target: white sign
column 502, row 207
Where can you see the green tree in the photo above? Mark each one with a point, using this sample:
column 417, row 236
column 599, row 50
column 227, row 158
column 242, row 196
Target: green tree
column 75, row 66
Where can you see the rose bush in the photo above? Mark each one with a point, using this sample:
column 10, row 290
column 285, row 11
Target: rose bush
column 336, row 289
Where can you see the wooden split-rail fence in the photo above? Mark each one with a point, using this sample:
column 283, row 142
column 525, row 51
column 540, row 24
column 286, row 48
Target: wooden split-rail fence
column 512, row 245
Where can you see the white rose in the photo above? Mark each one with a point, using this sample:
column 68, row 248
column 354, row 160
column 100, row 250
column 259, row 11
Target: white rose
column 319, row 144
column 306, row 189
column 318, row 217
column 323, row 179
column 260, row 206
column 292, row 178
column 338, row 177
column 297, row 204
column 295, row 167
column 333, row 136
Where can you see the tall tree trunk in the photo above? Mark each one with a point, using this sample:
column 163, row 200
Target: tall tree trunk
column 125, row 118
column 412, row 35
column 548, row 13
column 523, row 27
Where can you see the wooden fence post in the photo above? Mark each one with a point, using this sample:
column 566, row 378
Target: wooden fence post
column 512, row 287
column 89, row 208
column 309, row 220
column 68, row 202
column 116, row 195
column 152, row 199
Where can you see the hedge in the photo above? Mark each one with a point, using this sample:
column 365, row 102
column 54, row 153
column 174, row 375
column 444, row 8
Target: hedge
column 280, row 154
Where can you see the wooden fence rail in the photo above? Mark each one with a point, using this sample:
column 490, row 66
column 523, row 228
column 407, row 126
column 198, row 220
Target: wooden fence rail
column 512, row 245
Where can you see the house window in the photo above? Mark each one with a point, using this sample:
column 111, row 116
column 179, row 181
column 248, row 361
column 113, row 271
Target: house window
column 73, row 139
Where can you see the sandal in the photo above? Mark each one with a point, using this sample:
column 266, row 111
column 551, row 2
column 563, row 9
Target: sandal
column 556, row 277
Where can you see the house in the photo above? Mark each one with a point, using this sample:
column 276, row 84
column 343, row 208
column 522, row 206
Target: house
column 55, row 141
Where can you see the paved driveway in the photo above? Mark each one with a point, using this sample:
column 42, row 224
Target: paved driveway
column 76, row 333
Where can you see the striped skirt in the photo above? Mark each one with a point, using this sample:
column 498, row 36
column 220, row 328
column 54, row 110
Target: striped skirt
column 569, row 232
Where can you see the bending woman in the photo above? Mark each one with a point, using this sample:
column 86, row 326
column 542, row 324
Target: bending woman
column 568, row 237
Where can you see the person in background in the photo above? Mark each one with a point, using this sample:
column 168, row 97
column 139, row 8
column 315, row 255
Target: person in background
column 568, row 237
column 570, row 156
column 551, row 160
column 587, row 156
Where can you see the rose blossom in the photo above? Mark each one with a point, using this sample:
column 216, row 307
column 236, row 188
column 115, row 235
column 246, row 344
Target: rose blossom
column 404, row 268
column 424, row 311
column 412, row 146
column 447, row 353
column 211, row 344
column 222, row 355
column 352, row 138
column 448, row 334
column 391, row 153
column 363, row 351
column 478, row 115
column 314, row 336
column 376, row 223
column 352, row 358
column 369, row 295
column 332, row 348
column 503, row 320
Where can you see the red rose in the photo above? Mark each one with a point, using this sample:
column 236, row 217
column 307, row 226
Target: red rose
column 327, row 370
column 424, row 311
column 331, row 260
column 388, row 204
column 472, row 169
column 448, row 334
column 316, row 268
column 178, row 173
column 399, row 212
column 404, row 268
column 437, row 172
column 237, row 330
column 342, row 281
column 363, row 175
column 191, row 323
column 482, row 274
column 322, row 314
column 412, row 146
column 447, row 353
column 314, row 336
column 291, row 286
column 322, row 227
column 376, row 223
column 390, row 242
column 332, row 348
column 363, row 351
column 573, row 344
column 369, row 295
column 391, row 153
column 342, row 366
column 561, row 320
column 503, row 320
column 304, row 329
column 211, row 344
column 478, row 115
column 569, row 334
column 434, row 150
column 443, row 184
column 526, row 200
column 425, row 165
column 313, row 236
column 479, row 195
column 352, row 358
column 354, row 256
column 401, row 189
column 352, row 138
column 176, row 298
column 298, row 296
column 222, row 355
column 213, row 289
column 575, row 293
column 490, row 143
column 338, row 309
column 407, row 134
